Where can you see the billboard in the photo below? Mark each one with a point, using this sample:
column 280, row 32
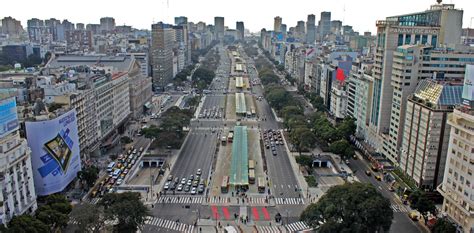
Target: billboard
column 468, row 88
column 8, row 116
column 55, row 152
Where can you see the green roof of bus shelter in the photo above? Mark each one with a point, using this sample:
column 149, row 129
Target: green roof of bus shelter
column 240, row 107
column 239, row 169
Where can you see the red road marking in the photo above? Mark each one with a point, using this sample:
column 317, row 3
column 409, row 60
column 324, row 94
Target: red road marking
column 255, row 213
column 215, row 212
column 226, row 213
column 266, row 215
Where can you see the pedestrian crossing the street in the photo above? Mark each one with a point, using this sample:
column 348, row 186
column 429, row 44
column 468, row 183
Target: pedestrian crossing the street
column 268, row 229
column 398, row 208
column 180, row 200
column 297, row 226
column 289, row 201
column 169, row 224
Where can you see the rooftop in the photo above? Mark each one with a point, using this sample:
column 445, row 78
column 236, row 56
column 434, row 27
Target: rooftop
column 120, row 63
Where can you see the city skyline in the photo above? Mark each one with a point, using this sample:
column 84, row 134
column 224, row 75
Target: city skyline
column 255, row 19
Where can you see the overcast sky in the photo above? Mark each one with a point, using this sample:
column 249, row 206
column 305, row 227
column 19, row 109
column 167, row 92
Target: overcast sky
column 256, row 14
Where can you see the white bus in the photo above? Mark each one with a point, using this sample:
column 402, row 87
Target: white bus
column 116, row 173
column 110, row 166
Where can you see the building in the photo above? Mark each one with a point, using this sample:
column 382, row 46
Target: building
column 107, row 24
column 79, row 40
column 311, row 29
column 180, row 20
column 324, row 25
column 426, row 133
column 36, row 29
column 241, row 29
column 219, row 27
column 457, row 187
column 359, row 90
column 18, row 194
column 161, row 55
column 277, row 21
column 17, row 53
column 11, row 27
column 417, row 28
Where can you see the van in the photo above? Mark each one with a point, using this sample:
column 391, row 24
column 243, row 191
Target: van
column 110, row 166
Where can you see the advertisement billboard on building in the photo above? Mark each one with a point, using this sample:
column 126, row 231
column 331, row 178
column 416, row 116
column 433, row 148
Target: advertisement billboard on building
column 468, row 88
column 8, row 116
column 54, row 152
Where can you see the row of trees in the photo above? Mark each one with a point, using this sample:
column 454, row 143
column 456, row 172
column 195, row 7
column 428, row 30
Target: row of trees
column 170, row 132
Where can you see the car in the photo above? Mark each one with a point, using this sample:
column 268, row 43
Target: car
column 193, row 191
column 201, row 189
column 191, row 177
column 347, row 161
column 190, row 182
column 167, row 186
column 199, row 172
column 378, row 177
column 172, row 186
column 183, row 181
column 187, row 188
column 267, row 146
column 112, row 181
column 274, row 152
column 170, row 178
column 195, row 183
column 368, row 173
column 119, row 182
column 180, row 187
column 176, row 180
column 273, row 148
column 126, row 171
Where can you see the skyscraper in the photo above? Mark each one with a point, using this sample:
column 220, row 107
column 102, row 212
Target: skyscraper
column 324, row 25
column 311, row 29
column 277, row 24
column 219, row 27
column 161, row 54
column 11, row 27
column 240, row 27
column 107, row 24
column 180, row 20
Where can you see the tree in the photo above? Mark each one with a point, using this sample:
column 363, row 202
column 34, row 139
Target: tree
column 55, row 212
column 88, row 175
column 342, row 148
column 304, row 160
column 126, row 208
column 126, row 139
column 26, row 224
column 90, row 218
column 442, row 225
column 347, row 127
column 302, row 138
column 352, row 207
column 419, row 201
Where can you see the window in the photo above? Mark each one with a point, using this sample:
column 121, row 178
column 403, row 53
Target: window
column 424, row 39
column 434, row 40
column 400, row 39
column 417, row 38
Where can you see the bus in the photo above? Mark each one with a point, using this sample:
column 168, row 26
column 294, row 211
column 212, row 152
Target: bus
column 230, row 137
column 251, row 164
column 252, row 110
column 110, row 166
column 261, row 185
column 225, row 184
column 252, row 176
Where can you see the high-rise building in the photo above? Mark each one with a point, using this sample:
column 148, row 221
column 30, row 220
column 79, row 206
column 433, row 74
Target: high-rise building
column 336, row 27
column 311, row 29
column 18, row 194
column 107, row 24
column 416, row 28
column 161, row 54
column 80, row 26
column 457, row 187
column 35, row 28
column 240, row 28
column 277, row 24
column 180, row 20
column 425, row 132
column 324, row 25
column 11, row 27
column 283, row 29
column 219, row 27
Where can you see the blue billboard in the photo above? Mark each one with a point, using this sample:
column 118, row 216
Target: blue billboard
column 8, row 116
column 55, row 152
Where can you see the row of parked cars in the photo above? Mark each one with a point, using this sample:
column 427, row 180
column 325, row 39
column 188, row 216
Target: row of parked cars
column 272, row 139
column 193, row 184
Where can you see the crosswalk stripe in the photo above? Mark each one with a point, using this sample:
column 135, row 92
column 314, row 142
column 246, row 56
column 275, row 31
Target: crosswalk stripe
column 297, row 226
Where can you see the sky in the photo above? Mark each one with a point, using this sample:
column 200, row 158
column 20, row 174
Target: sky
column 256, row 14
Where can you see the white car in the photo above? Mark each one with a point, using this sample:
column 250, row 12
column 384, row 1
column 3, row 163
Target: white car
column 167, row 185
column 119, row 182
column 180, row 187
column 193, row 191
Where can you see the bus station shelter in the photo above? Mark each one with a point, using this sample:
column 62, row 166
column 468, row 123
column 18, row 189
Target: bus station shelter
column 240, row 106
column 239, row 82
column 239, row 169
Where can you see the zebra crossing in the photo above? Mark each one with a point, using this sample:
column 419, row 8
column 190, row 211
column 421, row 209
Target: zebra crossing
column 72, row 221
column 289, row 201
column 181, row 199
column 399, row 208
column 94, row 200
column 297, row 226
column 257, row 200
column 168, row 224
column 268, row 229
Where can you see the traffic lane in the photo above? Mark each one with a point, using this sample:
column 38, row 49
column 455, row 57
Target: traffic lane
column 284, row 181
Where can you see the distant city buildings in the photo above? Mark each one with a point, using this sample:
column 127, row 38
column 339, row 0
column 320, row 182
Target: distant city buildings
column 219, row 27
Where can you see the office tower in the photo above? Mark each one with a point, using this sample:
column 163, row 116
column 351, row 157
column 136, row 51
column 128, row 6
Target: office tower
column 161, row 54
column 35, row 28
column 336, row 27
column 219, row 27
column 277, row 24
column 426, row 134
column 52, row 28
column 311, row 29
column 93, row 28
column 457, row 187
column 283, row 29
column 180, row 20
column 16, row 175
column 80, row 26
column 107, row 24
column 11, row 27
column 416, row 28
column 241, row 29
column 324, row 25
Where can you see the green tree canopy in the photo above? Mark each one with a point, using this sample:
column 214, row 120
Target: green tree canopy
column 89, row 218
column 342, row 148
column 304, row 160
column 420, row 202
column 442, row 225
column 88, row 175
column 126, row 208
column 26, row 224
column 352, row 207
